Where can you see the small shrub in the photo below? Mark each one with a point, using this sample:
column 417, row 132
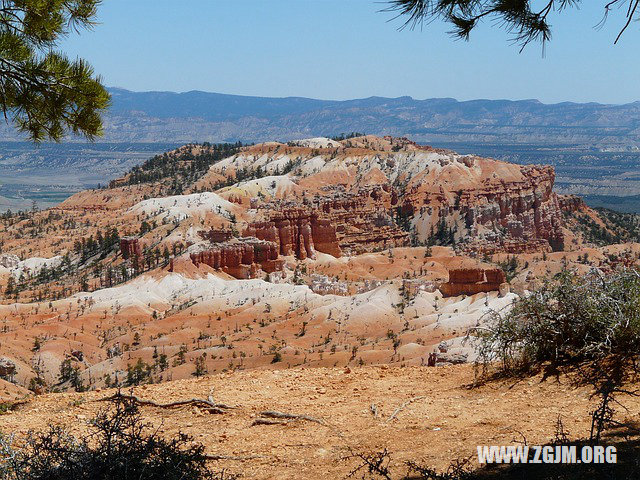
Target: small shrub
column 120, row 447
column 588, row 325
column 571, row 319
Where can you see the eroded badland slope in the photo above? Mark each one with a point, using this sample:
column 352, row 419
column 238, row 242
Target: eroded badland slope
column 317, row 253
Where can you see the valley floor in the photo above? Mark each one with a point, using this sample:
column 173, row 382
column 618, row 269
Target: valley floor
column 443, row 418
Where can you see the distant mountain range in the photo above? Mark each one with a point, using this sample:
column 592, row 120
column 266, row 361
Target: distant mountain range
column 595, row 148
column 201, row 116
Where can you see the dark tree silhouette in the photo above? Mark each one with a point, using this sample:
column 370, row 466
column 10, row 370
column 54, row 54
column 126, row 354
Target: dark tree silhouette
column 526, row 20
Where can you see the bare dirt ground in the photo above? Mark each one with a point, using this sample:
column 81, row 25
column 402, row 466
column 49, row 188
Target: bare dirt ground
column 443, row 418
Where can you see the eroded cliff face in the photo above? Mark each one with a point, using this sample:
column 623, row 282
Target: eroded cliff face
column 336, row 223
column 381, row 193
column 241, row 258
column 290, row 230
column 513, row 217
column 469, row 281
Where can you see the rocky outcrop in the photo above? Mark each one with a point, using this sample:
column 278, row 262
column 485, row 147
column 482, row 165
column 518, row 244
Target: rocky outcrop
column 378, row 193
column 7, row 368
column 469, row 281
column 571, row 203
column 335, row 222
column 364, row 219
column 8, row 260
column 241, row 258
column 451, row 358
column 130, row 247
column 216, row 235
column 325, row 237
column 515, row 213
column 298, row 232
column 501, row 245
column 527, row 211
column 504, row 216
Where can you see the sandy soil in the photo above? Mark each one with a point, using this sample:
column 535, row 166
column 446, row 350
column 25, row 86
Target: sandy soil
column 445, row 420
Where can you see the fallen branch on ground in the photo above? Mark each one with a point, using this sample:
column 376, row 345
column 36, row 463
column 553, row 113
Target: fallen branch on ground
column 269, row 415
column 268, row 421
column 209, row 405
column 232, row 457
column 403, row 406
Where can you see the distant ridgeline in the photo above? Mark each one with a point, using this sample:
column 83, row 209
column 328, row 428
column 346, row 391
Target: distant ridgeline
column 178, row 168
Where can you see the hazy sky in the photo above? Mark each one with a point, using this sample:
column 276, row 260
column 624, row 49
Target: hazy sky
column 339, row 49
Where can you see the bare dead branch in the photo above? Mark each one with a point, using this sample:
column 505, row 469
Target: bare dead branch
column 269, row 415
column 232, row 457
column 403, row 406
column 268, row 421
column 208, row 405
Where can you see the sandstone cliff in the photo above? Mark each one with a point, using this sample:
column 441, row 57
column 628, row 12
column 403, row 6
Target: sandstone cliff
column 376, row 193
column 241, row 258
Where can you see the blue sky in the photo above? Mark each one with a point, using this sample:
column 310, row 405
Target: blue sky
column 339, row 49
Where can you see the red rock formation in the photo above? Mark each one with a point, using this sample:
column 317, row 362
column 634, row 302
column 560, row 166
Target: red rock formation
column 393, row 190
column 363, row 220
column 240, row 258
column 469, row 281
column 266, row 255
column 495, row 276
column 466, row 275
column 130, row 247
column 216, row 236
column 333, row 223
column 506, row 246
column 297, row 231
column 527, row 211
column 294, row 233
column 324, row 237
column 514, row 216
column 571, row 203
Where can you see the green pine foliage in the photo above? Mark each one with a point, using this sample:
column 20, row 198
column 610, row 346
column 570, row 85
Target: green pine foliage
column 347, row 136
column 182, row 168
column 617, row 227
column 104, row 243
column 43, row 92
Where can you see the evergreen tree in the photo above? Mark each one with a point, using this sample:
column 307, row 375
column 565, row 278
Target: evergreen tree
column 44, row 93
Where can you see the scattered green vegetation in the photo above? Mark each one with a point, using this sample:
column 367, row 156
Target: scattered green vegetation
column 104, row 244
column 442, row 235
column 180, row 169
column 509, row 267
column 618, row 227
column 346, row 136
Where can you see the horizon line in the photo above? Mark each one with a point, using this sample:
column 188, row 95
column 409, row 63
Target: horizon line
column 453, row 99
